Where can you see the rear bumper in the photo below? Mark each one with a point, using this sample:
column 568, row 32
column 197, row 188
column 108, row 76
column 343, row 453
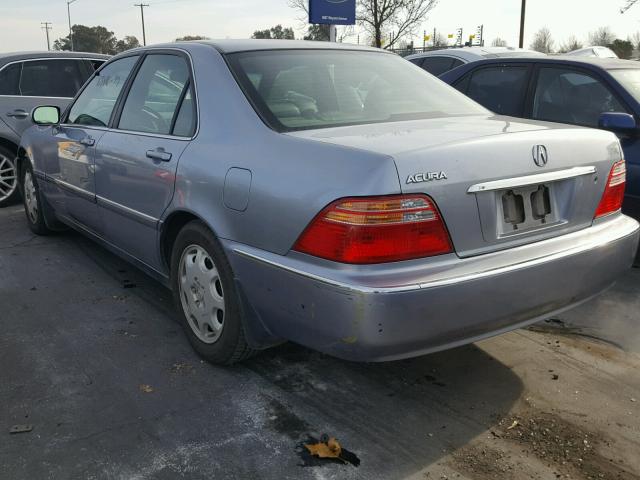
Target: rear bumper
column 394, row 311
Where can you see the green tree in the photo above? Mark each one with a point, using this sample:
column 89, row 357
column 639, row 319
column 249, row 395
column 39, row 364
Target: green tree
column 127, row 43
column 277, row 32
column 89, row 39
column 319, row 33
column 188, row 38
column 622, row 48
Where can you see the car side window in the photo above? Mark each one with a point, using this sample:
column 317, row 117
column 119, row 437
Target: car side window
column 155, row 94
column 456, row 63
column 52, row 78
column 569, row 96
column 417, row 61
column 96, row 102
column 10, row 79
column 185, row 124
column 437, row 65
column 501, row 89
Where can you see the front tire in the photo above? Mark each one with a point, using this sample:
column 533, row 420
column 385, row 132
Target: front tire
column 205, row 296
column 33, row 202
column 8, row 178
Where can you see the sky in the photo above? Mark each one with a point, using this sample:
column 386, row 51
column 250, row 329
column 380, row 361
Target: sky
column 20, row 27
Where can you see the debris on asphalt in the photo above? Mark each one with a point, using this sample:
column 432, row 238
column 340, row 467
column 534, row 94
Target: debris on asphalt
column 327, row 449
column 146, row 388
column 555, row 376
column 513, row 425
column 20, row 429
column 181, row 368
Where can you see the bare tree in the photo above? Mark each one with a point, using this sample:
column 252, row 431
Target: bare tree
column 570, row 45
column 498, row 42
column 542, row 41
column 439, row 40
column 397, row 18
column 635, row 39
column 601, row 37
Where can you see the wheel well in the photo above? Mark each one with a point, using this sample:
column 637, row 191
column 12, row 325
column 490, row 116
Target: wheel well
column 9, row 145
column 171, row 228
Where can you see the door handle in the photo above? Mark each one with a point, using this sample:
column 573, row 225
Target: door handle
column 18, row 114
column 159, row 154
column 88, row 141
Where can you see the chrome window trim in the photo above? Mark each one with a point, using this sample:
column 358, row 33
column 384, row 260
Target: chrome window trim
column 531, row 179
column 145, row 134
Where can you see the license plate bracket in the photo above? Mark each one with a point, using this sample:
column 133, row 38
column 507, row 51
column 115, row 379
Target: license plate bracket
column 524, row 209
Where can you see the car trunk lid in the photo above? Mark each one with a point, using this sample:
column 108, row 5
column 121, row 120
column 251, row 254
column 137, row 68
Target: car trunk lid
column 498, row 182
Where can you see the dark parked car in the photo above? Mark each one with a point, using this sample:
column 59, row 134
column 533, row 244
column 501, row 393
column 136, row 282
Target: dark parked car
column 26, row 81
column 592, row 92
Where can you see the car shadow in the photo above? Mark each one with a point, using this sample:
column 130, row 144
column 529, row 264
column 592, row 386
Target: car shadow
column 397, row 417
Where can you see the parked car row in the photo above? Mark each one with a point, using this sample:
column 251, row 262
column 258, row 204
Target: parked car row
column 26, row 81
column 332, row 195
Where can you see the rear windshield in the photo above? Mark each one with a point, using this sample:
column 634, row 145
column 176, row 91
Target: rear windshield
column 309, row 89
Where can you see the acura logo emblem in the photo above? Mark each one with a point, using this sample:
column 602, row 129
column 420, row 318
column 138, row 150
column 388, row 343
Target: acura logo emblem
column 540, row 155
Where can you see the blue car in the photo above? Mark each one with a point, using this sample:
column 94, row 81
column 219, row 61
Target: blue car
column 591, row 92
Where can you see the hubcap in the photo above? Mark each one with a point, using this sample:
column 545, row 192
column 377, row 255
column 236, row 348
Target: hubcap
column 201, row 293
column 30, row 199
column 8, row 179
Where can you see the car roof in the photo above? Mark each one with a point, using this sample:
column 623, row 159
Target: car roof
column 479, row 52
column 17, row 56
column 247, row 45
column 603, row 63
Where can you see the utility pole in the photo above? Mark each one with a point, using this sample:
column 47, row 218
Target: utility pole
column 522, row 14
column 69, row 2
column 46, row 26
column 144, row 36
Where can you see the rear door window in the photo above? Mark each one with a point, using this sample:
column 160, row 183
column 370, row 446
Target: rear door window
column 10, row 79
column 571, row 96
column 155, row 94
column 52, row 78
column 437, row 65
column 417, row 61
column 96, row 102
column 501, row 89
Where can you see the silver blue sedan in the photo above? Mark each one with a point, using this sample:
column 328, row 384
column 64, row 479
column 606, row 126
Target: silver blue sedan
column 331, row 195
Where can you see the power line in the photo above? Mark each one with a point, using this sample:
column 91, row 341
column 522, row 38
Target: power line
column 630, row 3
column 144, row 36
column 46, row 27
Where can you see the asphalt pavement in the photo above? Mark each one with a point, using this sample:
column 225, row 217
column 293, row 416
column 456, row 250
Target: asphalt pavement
column 100, row 382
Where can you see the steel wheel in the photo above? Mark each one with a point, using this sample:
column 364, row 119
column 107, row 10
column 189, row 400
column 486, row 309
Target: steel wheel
column 8, row 178
column 30, row 197
column 201, row 293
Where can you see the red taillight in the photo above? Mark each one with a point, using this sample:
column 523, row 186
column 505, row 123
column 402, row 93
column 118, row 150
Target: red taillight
column 613, row 191
column 376, row 230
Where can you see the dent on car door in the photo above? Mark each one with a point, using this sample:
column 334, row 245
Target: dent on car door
column 136, row 162
column 71, row 169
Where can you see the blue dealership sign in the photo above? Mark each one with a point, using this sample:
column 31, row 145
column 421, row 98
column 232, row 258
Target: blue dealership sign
column 333, row 12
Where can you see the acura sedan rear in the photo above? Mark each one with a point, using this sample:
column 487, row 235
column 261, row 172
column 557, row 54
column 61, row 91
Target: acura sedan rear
column 336, row 196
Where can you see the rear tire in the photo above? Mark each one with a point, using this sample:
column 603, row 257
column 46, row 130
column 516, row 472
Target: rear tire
column 33, row 202
column 205, row 296
column 8, row 178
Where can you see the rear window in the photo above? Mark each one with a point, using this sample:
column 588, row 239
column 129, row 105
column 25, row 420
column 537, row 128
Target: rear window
column 308, row 89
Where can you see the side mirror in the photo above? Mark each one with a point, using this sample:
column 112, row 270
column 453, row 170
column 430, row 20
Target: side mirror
column 46, row 115
column 617, row 122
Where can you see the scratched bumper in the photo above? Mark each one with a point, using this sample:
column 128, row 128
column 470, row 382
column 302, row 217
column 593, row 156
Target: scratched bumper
column 405, row 309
